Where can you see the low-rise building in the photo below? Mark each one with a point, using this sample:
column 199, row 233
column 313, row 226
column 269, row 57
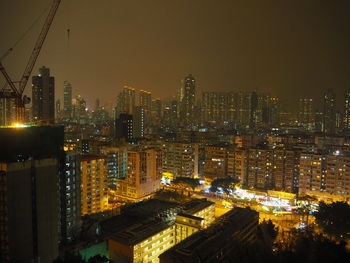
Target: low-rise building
column 201, row 208
column 218, row 243
column 146, row 229
column 187, row 225
column 141, row 242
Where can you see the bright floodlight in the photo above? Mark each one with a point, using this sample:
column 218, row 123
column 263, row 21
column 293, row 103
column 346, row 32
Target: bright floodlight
column 19, row 125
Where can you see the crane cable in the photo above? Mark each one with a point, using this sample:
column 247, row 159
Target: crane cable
column 24, row 34
column 67, row 51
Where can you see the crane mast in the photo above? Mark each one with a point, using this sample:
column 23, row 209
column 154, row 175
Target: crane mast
column 16, row 93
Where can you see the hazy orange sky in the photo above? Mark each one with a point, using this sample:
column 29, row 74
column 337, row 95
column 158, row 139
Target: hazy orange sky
column 289, row 48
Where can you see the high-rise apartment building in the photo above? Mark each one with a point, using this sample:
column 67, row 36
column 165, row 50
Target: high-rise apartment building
column 144, row 171
column 329, row 112
column 231, row 107
column 67, row 100
column 253, row 109
column 346, row 115
column 241, row 104
column 31, row 168
column 94, row 179
column 244, row 109
column 180, row 159
column 325, row 175
column 156, row 112
column 306, row 116
column 58, row 109
column 71, row 200
column 215, row 161
column 116, row 164
column 237, row 164
column 138, row 122
column 260, row 169
column 124, row 127
column 286, row 170
column 145, row 99
column 337, row 175
column 43, row 96
column 125, row 101
column 206, row 107
column 171, row 113
column 276, row 169
column 319, row 121
column 270, row 110
column 187, row 99
column 312, row 173
column 79, row 112
column 214, row 106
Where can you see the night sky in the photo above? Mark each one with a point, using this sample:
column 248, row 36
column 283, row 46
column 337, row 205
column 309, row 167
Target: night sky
column 290, row 48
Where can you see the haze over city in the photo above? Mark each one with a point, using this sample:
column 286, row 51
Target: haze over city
column 291, row 49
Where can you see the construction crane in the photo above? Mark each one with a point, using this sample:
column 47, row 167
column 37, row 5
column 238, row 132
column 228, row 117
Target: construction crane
column 17, row 88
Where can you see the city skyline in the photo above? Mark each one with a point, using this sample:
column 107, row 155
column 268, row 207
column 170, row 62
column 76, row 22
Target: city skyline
column 229, row 46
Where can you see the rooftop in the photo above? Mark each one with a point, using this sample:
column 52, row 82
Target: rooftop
column 196, row 205
column 139, row 231
column 203, row 245
column 150, row 208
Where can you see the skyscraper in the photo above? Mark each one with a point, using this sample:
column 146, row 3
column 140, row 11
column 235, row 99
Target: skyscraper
column 124, row 127
column 318, row 121
column 156, row 111
column 253, row 107
column 67, row 99
column 241, row 103
column 79, row 112
column 214, row 106
column 306, row 117
column 43, row 96
column 232, row 111
column 71, row 200
column 125, row 101
column 347, row 110
column 270, row 111
column 58, row 109
column 170, row 113
column 145, row 99
column 329, row 112
column 146, row 103
column 138, row 122
column 187, row 99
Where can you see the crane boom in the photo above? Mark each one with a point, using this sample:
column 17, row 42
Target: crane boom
column 17, row 93
column 38, row 45
column 9, row 81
